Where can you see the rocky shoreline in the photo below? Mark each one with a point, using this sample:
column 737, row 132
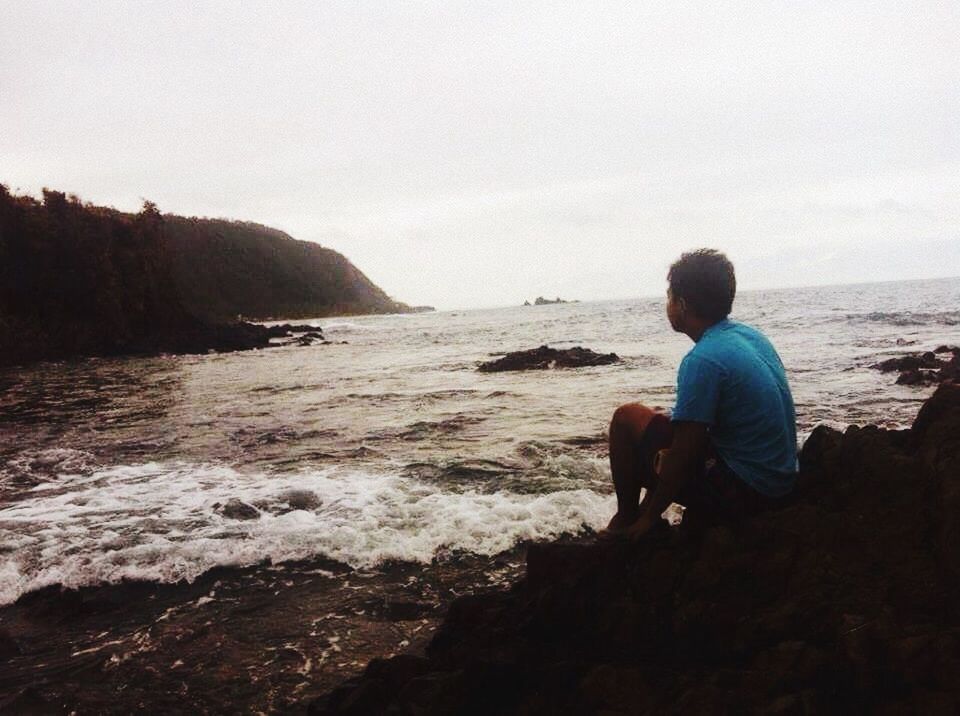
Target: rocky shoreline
column 190, row 337
column 844, row 601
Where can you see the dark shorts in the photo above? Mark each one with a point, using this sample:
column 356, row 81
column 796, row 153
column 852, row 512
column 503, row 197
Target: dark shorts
column 717, row 492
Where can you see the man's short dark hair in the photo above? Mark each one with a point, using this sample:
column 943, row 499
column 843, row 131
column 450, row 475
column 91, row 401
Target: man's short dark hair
column 705, row 280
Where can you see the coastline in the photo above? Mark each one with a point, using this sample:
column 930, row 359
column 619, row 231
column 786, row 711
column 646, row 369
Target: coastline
column 842, row 600
column 397, row 412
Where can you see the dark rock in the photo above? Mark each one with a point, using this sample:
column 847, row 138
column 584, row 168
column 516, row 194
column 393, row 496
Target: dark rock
column 400, row 610
column 908, row 363
column 544, row 357
column 917, row 377
column 844, row 600
column 398, row 670
column 236, row 509
column 301, row 499
column 28, row 702
column 8, row 646
column 924, row 368
column 283, row 330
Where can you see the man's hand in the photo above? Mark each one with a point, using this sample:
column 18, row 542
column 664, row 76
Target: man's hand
column 643, row 525
column 682, row 462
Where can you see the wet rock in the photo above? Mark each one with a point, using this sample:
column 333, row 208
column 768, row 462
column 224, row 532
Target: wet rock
column 924, row 368
column 400, row 610
column 236, row 509
column 284, row 329
column 908, row 363
column 398, row 670
column 8, row 646
column 28, row 702
column 844, row 600
column 301, row 499
column 544, row 358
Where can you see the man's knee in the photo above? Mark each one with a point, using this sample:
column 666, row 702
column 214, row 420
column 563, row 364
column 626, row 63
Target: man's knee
column 631, row 419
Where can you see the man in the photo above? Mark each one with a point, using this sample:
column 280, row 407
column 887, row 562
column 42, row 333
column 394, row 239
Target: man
column 732, row 435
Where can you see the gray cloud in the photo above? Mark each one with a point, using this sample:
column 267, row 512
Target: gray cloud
column 479, row 154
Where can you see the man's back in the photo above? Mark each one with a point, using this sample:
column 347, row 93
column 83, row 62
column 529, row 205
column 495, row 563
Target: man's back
column 733, row 380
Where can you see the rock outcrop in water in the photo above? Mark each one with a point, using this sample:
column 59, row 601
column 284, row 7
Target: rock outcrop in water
column 846, row 601
column 541, row 301
column 924, row 368
column 544, row 358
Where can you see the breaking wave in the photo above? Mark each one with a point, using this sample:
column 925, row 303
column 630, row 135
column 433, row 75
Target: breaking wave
column 167, row 522
column 908, row 318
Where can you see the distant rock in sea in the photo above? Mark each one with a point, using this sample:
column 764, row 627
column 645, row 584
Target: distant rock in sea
column 541, row 301
column 544, row 358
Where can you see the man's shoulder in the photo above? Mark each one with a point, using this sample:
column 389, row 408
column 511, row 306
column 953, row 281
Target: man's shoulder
column 732, row 344
column 743, row 329
column 737, row 334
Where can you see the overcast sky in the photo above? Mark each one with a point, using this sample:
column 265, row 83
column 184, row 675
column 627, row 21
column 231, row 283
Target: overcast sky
column 477, row 154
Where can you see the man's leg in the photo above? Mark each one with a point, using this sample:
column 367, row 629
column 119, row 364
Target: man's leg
column 636, row 434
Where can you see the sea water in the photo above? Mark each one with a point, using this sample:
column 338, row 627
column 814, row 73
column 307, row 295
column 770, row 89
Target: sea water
column 388, row 445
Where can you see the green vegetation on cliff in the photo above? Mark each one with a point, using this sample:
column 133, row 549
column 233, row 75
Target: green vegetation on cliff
column 83, row 280
column 229, row 268
column 80, row 280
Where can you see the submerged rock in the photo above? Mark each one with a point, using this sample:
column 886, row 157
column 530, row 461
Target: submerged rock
column 236, row 509
column 845, row 600
column 544, row 357
column 301, row 499
column 924, row 368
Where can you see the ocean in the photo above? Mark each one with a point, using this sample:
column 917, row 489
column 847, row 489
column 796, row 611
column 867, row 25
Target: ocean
column 381, row 465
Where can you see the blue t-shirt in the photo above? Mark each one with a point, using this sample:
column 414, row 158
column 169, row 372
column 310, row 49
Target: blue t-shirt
column 733, row 380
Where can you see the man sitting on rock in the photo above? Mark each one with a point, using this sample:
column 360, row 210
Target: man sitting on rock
column 732, row 436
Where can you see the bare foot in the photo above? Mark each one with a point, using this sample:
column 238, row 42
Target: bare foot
column 618, row 526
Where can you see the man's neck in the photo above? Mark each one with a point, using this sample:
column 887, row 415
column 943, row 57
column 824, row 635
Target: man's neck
column 696, row 327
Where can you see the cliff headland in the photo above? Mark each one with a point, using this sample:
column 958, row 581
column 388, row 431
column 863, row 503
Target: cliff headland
column 81, row 280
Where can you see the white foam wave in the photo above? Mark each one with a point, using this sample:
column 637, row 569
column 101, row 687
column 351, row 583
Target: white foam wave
column 60, row 460
column 164, row 522
column 345, row 326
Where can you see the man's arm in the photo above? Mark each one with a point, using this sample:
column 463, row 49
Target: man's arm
column 683, row 461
